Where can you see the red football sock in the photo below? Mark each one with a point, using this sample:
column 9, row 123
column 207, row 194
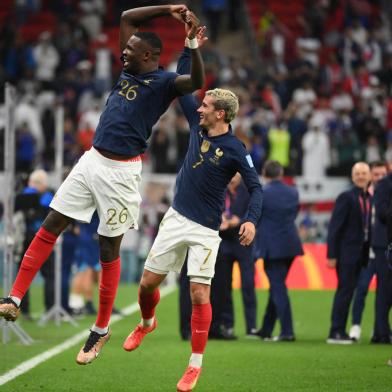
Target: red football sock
column 200, row 325
column 107, row 291
column 148, row 303
column 36, row 254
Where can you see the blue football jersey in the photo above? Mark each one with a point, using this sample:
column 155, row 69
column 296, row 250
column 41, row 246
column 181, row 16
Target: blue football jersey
column 209, row 165
column 132, row 108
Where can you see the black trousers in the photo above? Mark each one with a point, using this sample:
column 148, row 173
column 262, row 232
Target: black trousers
column 221, row 290
column 278, row 306
column 348, row 275
column 382, row 328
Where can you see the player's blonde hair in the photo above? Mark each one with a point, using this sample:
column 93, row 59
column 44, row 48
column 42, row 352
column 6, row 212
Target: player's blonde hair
column 225, row 100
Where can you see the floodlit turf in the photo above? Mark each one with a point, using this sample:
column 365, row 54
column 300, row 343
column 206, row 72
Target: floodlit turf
column 241, row 366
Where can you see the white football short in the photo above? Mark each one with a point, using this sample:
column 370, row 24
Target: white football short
column 178, row 235
column 97, row 183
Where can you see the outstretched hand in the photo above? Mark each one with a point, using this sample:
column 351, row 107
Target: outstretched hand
column 201, row 39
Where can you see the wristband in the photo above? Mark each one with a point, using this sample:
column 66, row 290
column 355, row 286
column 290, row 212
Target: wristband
column 192, row 43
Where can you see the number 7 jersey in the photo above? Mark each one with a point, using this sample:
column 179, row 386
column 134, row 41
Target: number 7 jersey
column 132, row 108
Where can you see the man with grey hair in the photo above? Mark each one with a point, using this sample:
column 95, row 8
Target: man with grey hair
column 348, row 244
column 191, row 225
column 32, row 206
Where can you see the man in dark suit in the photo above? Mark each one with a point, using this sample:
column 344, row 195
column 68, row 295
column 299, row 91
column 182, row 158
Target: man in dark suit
column 382, row 201
column 348, row 247
column 278, row 242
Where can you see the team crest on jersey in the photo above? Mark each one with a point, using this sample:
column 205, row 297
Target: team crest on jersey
column 218, row 155
column 205, row 146
column 218, row 152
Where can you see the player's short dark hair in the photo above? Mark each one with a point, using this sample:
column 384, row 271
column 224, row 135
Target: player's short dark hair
column 272, row 169
column 377, row 164
column 151, row 38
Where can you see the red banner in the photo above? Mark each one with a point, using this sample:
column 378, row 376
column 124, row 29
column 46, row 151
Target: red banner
column 308, row 272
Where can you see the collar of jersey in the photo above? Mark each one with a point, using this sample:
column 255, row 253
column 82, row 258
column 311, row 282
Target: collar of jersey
column 205, row 133
column 142, row 75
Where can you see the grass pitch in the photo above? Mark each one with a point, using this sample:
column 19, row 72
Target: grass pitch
column 244, row 365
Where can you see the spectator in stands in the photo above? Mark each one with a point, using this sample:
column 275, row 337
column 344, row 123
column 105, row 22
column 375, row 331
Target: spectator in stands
column 88, row 124
column 373, row 150
column 308, row 47
column 348, row 247
column 373, row 52
column 19, row 62
column 378, row 170
column 278, row 243
column 25, row 149
column 26, row 112
column 159, row 147
column 279, row 144
column 297, row 127
column 316, row 150
column 85, row 88
column 330, row 75
column 258, row 147
column 341, row 101
column 103, row 62
column 347, row 148
column 214, row 11
column 349, row 52
column 47, row 59
column 305, row 99
column 92, row 13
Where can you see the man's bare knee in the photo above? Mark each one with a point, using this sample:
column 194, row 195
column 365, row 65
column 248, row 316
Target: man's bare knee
column 200, row 293
column 150, row 281
column 109, row 248
column 55, row 222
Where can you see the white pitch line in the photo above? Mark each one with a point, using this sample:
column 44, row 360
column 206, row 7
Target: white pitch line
column 35, row 361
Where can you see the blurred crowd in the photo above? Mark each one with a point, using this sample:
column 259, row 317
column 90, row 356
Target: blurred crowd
column 321, row 100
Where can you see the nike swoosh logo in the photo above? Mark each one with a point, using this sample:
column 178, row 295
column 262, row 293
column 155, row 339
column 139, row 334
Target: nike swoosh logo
column 197, row 331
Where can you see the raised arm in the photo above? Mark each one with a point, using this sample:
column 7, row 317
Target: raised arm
column 188, row 102
column 188, row 83
column 133, row 18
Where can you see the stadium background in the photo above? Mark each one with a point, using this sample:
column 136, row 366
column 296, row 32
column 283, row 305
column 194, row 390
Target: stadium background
column 296, row 66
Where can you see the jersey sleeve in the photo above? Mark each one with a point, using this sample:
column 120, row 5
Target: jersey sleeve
column 252, row 182
column 170, row 86
column 188, row 102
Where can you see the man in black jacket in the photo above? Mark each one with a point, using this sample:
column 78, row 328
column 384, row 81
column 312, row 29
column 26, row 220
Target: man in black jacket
column 348, row 247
